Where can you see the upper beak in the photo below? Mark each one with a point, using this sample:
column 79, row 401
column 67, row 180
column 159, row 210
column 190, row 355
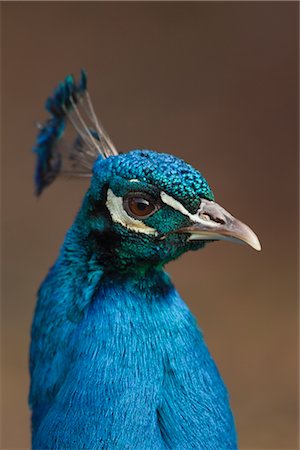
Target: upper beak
column 212, row 222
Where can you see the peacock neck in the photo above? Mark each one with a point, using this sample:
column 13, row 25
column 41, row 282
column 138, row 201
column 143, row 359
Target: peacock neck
column 79, row 256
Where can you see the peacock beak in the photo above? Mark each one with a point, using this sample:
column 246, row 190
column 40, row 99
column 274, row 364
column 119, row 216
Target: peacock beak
column 212, row 222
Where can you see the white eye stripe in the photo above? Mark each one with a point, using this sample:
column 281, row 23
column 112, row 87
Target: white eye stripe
column 119, row 215
column 175, row 204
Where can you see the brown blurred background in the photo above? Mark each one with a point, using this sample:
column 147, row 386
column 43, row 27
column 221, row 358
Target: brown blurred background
column 214, row 83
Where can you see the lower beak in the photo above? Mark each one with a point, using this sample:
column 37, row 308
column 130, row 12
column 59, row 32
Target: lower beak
column 213, row 222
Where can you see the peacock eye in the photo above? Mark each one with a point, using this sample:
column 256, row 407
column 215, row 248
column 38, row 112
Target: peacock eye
column 139, row 206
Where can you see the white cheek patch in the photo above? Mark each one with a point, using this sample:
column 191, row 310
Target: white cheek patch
column 119, row 215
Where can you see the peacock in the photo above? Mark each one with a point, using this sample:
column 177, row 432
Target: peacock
column 117, row 360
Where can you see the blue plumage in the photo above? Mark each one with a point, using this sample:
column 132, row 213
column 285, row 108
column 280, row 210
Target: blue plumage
column 48, row 165
column 53, row 156
column 117, row 360
column 49, row 161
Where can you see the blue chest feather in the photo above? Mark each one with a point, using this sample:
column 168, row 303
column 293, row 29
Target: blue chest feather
column 130, row 370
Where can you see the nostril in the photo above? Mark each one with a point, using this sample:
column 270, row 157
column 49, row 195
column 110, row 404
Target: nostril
column 219, row 220
column 208, row 217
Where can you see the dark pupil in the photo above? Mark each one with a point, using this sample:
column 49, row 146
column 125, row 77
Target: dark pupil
column 140, row 206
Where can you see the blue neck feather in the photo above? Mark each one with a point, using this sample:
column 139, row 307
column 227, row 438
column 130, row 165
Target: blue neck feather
column 122, row 365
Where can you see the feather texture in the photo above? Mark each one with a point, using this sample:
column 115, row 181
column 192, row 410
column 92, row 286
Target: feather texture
column 131, row 371
column 69, row 103
column 117, row 360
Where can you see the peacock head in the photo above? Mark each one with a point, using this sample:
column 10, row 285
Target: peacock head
column 143, row 208
column 147, row 208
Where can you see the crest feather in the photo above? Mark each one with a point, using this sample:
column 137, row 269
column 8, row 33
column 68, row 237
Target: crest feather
column 69, row 103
